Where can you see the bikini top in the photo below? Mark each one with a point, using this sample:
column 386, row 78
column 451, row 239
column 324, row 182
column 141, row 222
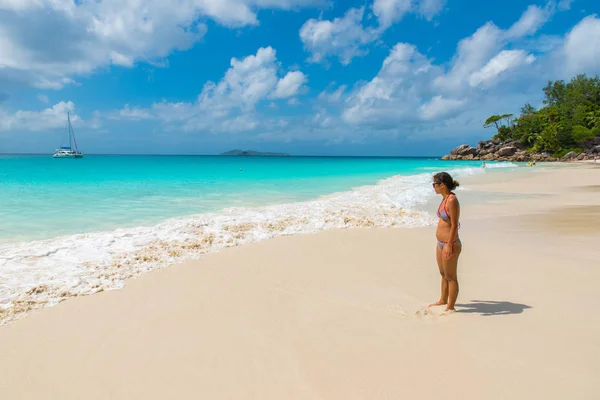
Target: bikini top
column 444, row 213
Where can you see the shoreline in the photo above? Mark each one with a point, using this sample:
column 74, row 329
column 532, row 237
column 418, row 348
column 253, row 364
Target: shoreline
column 301, row 316
column 85, row 264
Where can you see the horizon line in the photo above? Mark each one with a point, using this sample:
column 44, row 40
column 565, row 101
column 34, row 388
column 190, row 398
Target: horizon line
column 219, row 155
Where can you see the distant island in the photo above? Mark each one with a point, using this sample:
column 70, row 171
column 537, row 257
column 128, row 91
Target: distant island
column 567, row 127
column 252, row 153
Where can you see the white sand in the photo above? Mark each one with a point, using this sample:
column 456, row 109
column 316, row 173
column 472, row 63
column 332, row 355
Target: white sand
column 340, row 315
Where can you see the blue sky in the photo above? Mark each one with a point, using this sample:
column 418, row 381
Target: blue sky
column 308, row 77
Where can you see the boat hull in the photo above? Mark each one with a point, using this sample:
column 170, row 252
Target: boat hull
column 67, row 156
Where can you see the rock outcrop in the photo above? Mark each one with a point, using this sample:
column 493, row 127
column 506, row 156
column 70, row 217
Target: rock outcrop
column 515, row 151
column 570, row 156
column 507, row 151
column 464, row 150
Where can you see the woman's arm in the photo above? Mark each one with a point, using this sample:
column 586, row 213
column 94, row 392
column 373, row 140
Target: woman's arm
column 453, row 210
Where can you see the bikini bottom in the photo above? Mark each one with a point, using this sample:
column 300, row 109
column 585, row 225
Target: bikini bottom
column 442, row 244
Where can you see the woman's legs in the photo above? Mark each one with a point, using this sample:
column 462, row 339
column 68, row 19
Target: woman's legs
column 444, row 285
column 450, row 267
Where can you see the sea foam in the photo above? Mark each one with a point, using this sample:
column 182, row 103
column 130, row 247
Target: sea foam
column 43, row 273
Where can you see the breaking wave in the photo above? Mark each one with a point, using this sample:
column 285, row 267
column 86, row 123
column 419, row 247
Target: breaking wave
column 43, row 273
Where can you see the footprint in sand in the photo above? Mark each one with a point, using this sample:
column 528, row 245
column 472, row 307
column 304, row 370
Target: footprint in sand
column 447, row 312
column 424, row 313
column 421, row 313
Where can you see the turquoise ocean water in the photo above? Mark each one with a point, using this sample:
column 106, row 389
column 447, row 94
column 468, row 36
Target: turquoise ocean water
column 77, row 226
column 42, row 197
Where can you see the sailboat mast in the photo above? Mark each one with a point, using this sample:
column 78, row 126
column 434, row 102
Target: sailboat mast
column 69, row 126
column 72, row 134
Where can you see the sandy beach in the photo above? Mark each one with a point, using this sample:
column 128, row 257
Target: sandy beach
column 342, row 314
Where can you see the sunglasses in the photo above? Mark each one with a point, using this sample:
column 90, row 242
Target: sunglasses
column 434, row 184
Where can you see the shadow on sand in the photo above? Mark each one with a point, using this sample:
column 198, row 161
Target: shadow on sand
column 487, row 308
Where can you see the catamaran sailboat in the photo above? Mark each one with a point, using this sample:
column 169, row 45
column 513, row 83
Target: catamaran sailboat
column 68, row 151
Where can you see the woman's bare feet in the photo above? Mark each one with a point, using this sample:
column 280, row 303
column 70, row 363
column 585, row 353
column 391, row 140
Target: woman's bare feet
column 437, row 303
column 450, row 310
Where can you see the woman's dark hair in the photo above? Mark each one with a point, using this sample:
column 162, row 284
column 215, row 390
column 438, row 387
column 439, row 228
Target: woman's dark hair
column 445, row 179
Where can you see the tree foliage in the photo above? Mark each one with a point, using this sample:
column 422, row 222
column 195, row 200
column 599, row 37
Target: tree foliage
column 498, row 121
column 570, row 116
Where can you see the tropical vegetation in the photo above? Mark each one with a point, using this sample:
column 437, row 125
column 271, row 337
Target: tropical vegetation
column 569, row 118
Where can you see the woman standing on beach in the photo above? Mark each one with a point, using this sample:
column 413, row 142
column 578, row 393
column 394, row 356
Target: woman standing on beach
column 448, row 246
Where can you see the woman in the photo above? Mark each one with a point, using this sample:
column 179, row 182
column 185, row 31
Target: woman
column 448, row 246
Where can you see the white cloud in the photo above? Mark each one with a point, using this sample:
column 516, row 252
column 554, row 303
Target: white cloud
column 289, row 85
column 565, row 4
column 412, row 97
column 241, row 123
column 335, row 96
column 46, row 43
column 410, row 91
column 229, row 105
column 389, row 12
column 173, row 112
column 530, row 22
column 472, row 53
column 343, row 37
column 43, row 98
column 20, row 5
column 276, row 124
column 395, row 93
column 52, row 83
column 122, row 60
column 439, row 107
column 581, row 50
column 479, row 57
column 50, row 118
column 431, row 8
column 505, row 60
column 348, row 37
column 249, row 81
column 322, row 119
column 134, row 113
